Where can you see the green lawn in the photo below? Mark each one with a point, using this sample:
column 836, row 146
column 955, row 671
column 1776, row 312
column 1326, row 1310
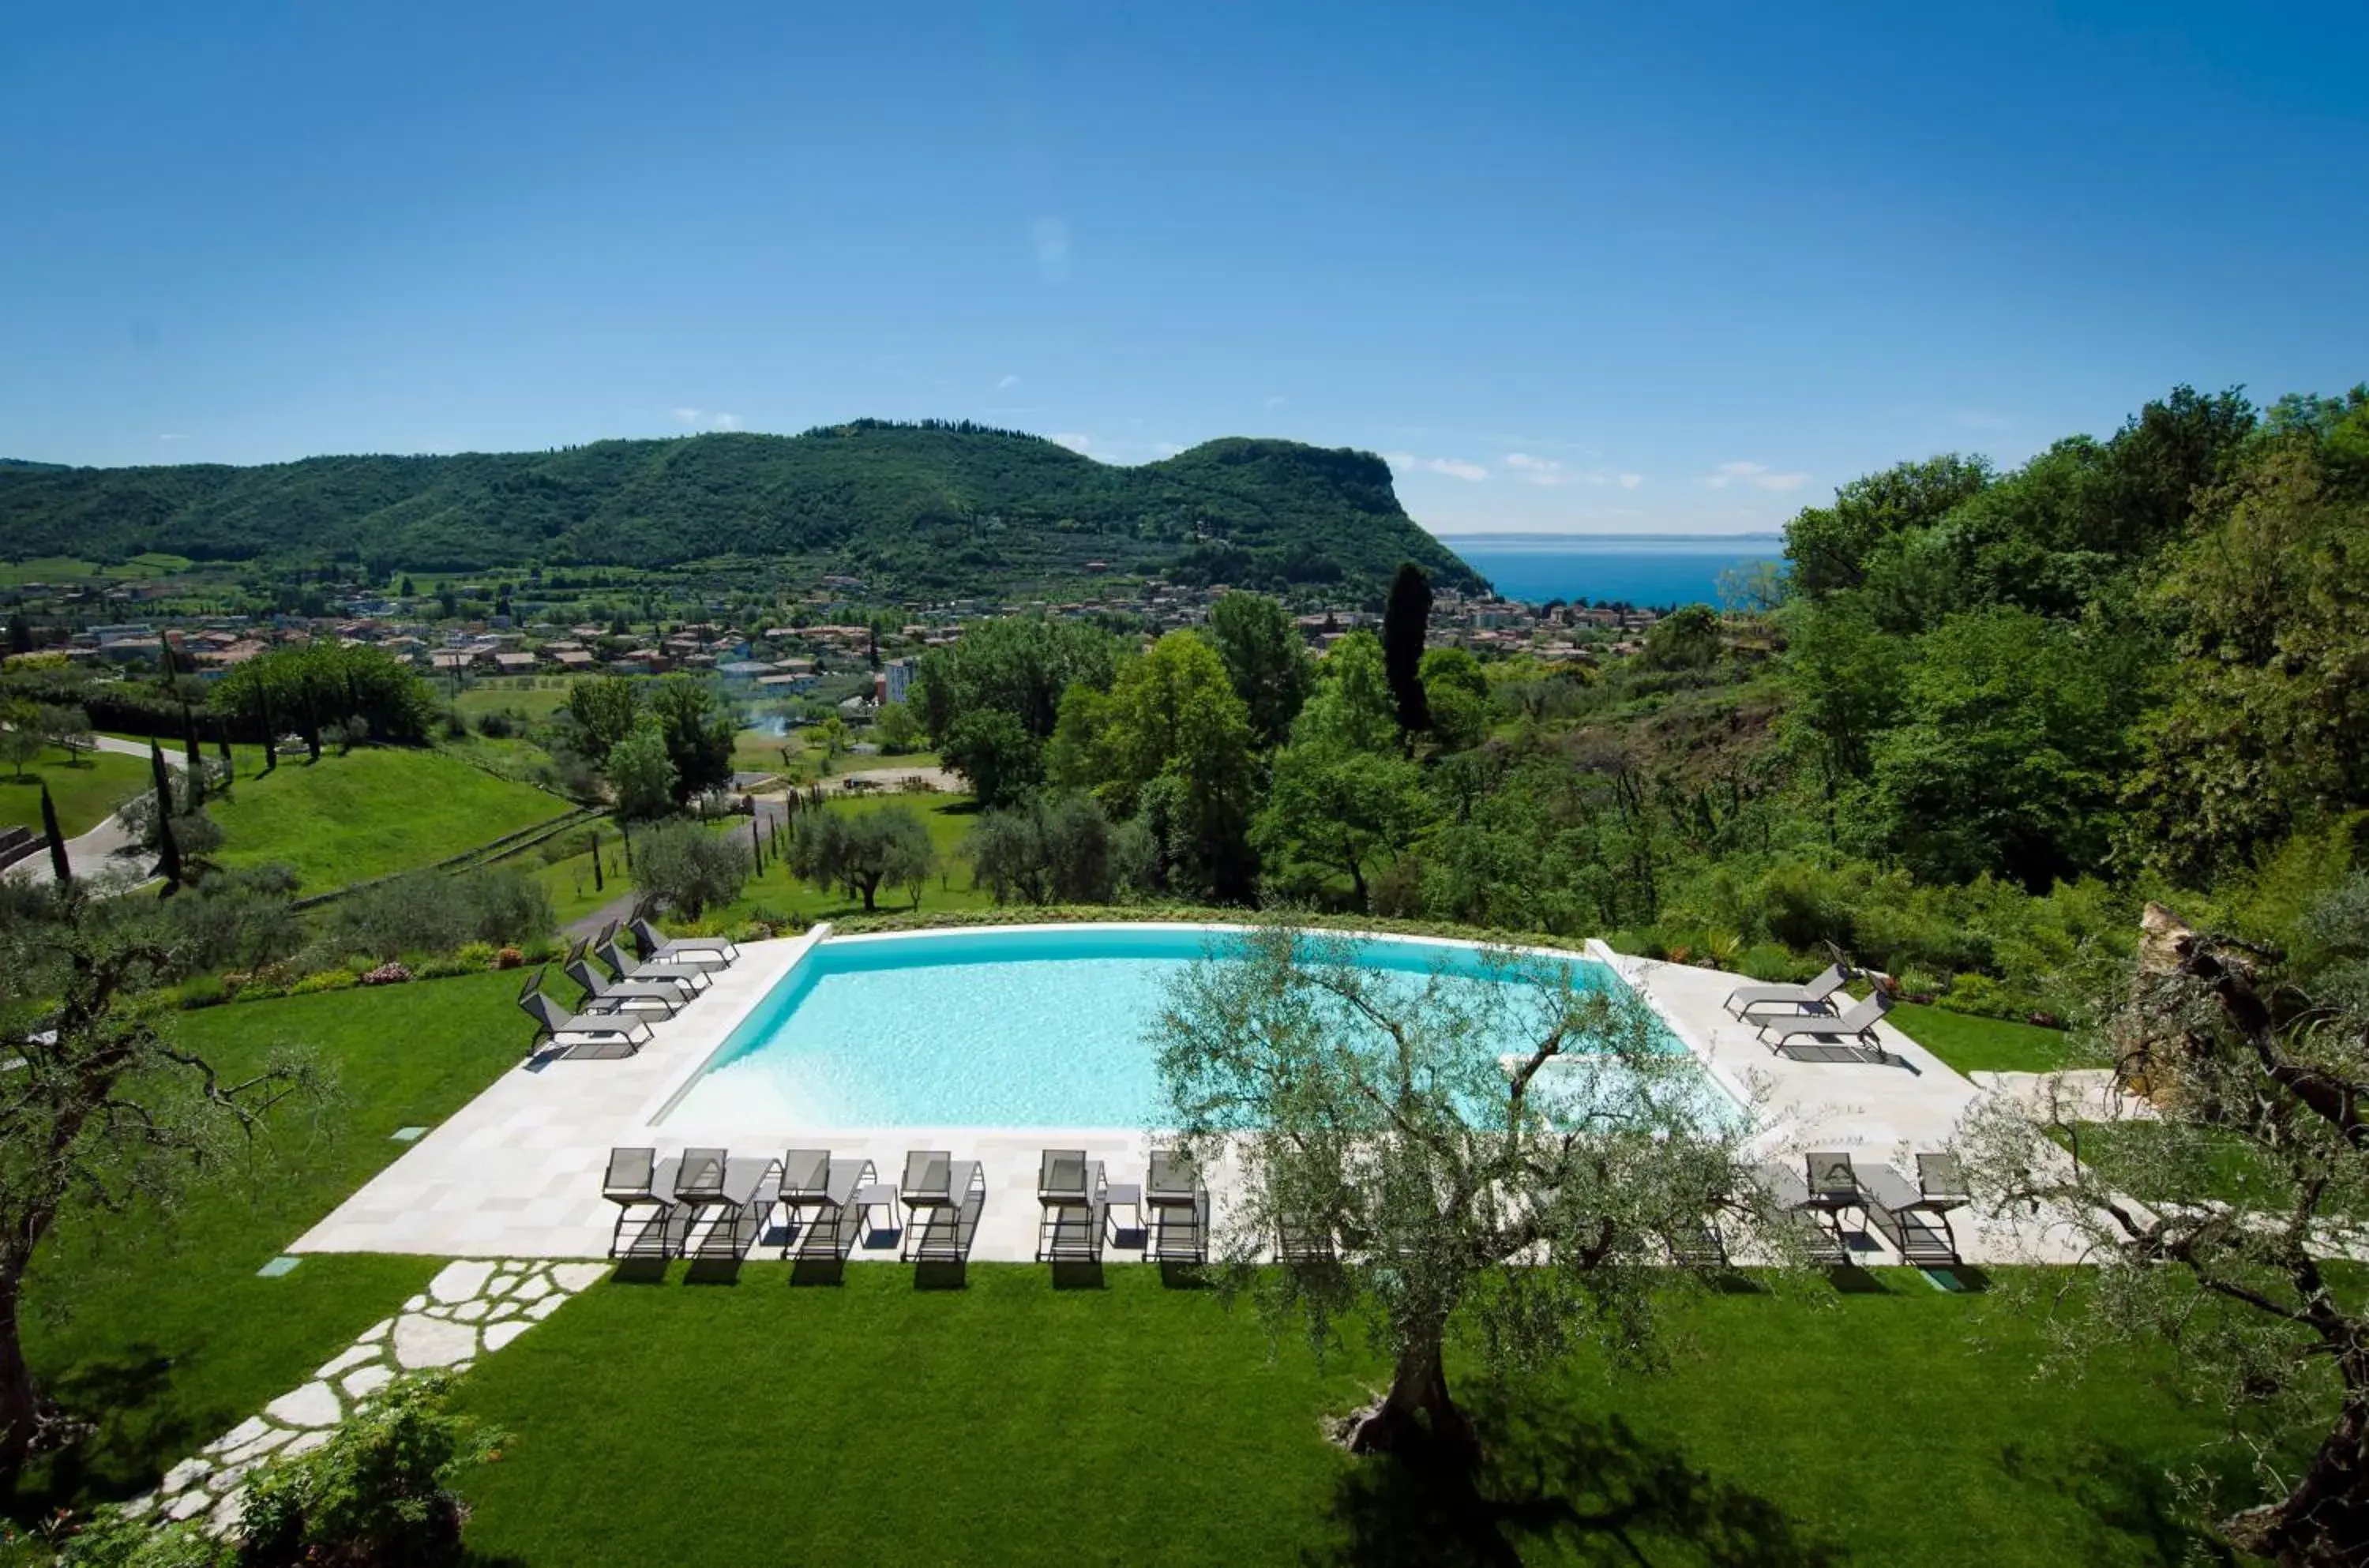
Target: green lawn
column 569, row 881
column 948, row 819
column 380, row 809
column 86, row 790
column 1009, row 1421
column 538, row 697
column 156, row 1326
column 1985, row 1045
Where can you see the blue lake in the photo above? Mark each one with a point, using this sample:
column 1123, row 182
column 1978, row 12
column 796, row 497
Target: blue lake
column 1646, row 570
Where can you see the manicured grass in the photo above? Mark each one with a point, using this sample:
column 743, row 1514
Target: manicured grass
column 948, row 819
column 1010, row 1422
column 377, row 810
column 536, row 697
column 1985, row 1045
column 569, row 881
column 86, row 789
column 153, row 1324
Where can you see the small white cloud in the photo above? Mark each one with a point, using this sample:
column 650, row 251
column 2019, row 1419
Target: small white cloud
column 1548, row 473
column 1166, row 448
column 1010, row 381
column 1051, row 238
column 690, row 416
column 1278, row 401
column 1630, row 481
column 1072, row 439
column 725, row 421
column 1454, row 468
column 174, row 436
column 1759, row 474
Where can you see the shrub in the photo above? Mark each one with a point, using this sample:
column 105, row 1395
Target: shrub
column 325, row 979
column 477, row 954
column 114, row 1539
column 203, row 990
column 689, row 867
column 497, row 725
column 430, row 912
column 389, row 974
column 509, row 958
column 1979, row 994
column 379, row 1491
column 445, row 967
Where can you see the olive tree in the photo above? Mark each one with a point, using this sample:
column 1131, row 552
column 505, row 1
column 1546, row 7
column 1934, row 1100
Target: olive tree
column 860, row 851
column 1486, row 1159
column 2220, row 1224
column 103, row 1110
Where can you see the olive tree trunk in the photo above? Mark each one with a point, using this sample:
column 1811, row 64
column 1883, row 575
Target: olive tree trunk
column 2324, row 1521
column 1418, row 1388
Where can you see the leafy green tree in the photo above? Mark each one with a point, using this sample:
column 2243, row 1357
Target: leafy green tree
column 65, row 726
column 898, row 726
column 1333, row 812
column 995, row 754
column 1829, row 546
column 106, row 1113
column 1267, row 660
column 1171, row 716
column 688, row 868
column 860, row 851
column 20, row 744
column 325, row 681
column 1351, row 707
column 698, row 730
column 1045, row 851
column 1017, row 665
column 1687, row 638
column 641, row 774
column 2257, row 1076
column 603, row 711
column 1456, row 691
column 1406, row 618
column 1435, row 1187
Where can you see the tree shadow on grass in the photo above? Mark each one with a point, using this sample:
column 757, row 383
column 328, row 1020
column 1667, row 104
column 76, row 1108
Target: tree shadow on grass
column 2127, row 1494
column 133, row 1427
column 1571, row 1487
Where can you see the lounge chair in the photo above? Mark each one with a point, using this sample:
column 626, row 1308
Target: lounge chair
column 602, row 996
column 1299, row 1238
column 1177, row 1204
column 690, row 979
column 1814, row 998
column 709, row 1179
column 706, row 952
column 1073, row 1207
column 943, row 1198
column 1915, row 1220
column 565, row 1029
column 631, row 1182
column 1858, row 1024
column 811, row 1180
column 1793, row 1194
column 1698, row 1245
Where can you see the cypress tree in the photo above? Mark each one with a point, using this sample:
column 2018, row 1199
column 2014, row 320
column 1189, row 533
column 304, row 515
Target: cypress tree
column 599, row 883
column 60, row 872
column 169, row 853
column 197, row 769
column 756, row 846
column 1404, row 619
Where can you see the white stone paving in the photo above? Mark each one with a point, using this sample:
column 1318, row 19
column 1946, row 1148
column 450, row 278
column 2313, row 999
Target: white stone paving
column 516, row 1173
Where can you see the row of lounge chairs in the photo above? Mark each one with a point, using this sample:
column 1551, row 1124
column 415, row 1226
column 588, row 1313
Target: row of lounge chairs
column 1783, row 1013
column 707, row 1201
column 619, row 1007
column 1912, row 1218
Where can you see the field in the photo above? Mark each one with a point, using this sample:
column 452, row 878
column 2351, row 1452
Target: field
column 378, row 810
column 538, row 697
column 1982, row 1045
column 86, row 791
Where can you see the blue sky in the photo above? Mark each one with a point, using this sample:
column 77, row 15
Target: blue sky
column 1571, row 267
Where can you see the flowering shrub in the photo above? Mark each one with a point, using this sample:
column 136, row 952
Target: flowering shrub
column 509, row 958
column 388, row 973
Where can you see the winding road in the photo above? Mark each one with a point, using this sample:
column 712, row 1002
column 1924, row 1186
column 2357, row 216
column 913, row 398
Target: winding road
column 90, row 853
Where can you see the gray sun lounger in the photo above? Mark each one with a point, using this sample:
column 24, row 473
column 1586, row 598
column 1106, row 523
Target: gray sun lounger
column 1299, row 1238
column 1793, row 1194
column 1176, row 1204
column 603, row 995
column 1072, row 1207
column 631, row 1184
column 711, row 1180
column 565, row 1029
column 943, row 1197
column 816, row 1193
column 1915, row 1220
column 1812, row 998
column 706, row 952
column 1700, row 1246
column 688, row 978
column 1858, row 1024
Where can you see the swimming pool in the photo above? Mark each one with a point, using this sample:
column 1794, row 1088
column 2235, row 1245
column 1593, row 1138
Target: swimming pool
column 1016, row 1027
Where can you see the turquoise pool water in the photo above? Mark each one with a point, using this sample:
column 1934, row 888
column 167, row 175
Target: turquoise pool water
column 1019, row 1028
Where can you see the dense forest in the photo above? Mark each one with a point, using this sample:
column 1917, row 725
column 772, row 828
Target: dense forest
column 932, row 506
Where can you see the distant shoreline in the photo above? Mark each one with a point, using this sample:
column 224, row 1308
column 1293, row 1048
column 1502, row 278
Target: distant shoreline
column 1584, row 540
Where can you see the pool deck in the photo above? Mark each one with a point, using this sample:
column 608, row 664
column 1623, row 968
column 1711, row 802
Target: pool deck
column 517, row 1172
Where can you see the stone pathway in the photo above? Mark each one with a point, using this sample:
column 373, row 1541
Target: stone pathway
column 93, row 852
column 472, row 1308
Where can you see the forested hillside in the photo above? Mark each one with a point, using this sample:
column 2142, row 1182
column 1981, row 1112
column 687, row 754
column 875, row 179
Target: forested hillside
column 909, row 508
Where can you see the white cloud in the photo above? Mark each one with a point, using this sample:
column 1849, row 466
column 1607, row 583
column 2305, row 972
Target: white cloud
column 1166, row 448
column 713, row 421
column 174, row 436
column 1759, row 474
column 1454, row 468
column 1278, row 401
column 690, row 416
column 1051, row 238
column 725, row 421
column 1010, row 381
column 1630, row 481
column 1072, row 439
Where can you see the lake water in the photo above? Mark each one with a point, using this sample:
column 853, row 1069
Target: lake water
column 1647, row 570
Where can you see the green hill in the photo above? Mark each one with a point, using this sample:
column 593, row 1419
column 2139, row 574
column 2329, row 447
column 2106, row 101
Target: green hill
column 907, row 508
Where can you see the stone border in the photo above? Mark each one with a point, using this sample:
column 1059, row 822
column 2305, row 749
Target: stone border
column 472, row 1308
